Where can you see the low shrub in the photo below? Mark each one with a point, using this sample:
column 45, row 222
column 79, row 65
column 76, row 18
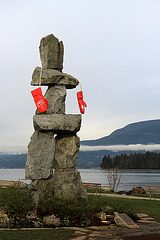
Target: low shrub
column 81, row 212
column 17, row 203
column 70, row 212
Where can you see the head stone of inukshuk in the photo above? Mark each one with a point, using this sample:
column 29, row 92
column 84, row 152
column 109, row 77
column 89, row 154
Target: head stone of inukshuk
column 54, row 143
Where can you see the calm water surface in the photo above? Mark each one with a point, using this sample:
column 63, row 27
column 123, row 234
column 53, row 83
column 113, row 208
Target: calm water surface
column 129, row 178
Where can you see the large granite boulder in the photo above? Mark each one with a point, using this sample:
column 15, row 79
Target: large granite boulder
column 41, row 152
column 67, row 149
column 56, row 100
column 68, row 184
column 51, row 77
column 51, row 52
column 58, row 123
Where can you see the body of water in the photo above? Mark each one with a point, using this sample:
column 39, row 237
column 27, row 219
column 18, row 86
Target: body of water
column 129, row 178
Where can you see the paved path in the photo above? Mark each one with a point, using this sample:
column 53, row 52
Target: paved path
column 144, row 232
column 125, row 196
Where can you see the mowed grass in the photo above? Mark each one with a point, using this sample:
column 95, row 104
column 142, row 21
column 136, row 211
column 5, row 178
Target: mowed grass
column 150, row 207
column 146, row 195
column 48, row 234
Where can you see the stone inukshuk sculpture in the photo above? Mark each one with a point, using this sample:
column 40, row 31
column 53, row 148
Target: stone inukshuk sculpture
column 54, row 144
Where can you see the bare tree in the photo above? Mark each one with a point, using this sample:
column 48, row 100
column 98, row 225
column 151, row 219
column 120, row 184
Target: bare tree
column 113, row 177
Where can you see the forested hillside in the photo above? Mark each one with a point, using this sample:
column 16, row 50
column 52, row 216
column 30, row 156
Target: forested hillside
column 144, row 132
column 148, row 160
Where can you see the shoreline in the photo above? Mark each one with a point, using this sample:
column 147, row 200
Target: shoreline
column 123, row 170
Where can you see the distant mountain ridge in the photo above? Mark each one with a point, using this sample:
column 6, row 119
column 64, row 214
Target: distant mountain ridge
column 144, row 132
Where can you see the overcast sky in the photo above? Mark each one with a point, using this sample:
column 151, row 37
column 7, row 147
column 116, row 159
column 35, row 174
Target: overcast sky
column 111, row 46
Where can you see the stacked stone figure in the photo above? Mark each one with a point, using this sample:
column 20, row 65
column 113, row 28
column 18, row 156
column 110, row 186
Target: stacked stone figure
column 54, row 144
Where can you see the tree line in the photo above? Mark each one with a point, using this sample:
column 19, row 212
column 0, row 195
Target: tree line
column 148, row 160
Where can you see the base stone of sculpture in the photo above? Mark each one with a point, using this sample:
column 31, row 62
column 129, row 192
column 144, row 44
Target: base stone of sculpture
column 68, row 183
column 42, row 189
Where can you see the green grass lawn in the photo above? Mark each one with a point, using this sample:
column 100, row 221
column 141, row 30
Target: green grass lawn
column 137, row 195
column 48, row 234
column 152, row 208
column 145, row 195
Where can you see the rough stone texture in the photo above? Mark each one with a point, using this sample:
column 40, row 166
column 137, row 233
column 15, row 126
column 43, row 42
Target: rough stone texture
column 123, row 220
column 67, row 149
column 41, row 151
column 56, row 100
column 42, row 188
column 51, row 77
column 138, row 190
column 68, row 184
column 142, row 215
column 51, row 52
column 58, row 123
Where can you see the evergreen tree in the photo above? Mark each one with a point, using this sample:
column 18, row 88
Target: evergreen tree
column 148, row 160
